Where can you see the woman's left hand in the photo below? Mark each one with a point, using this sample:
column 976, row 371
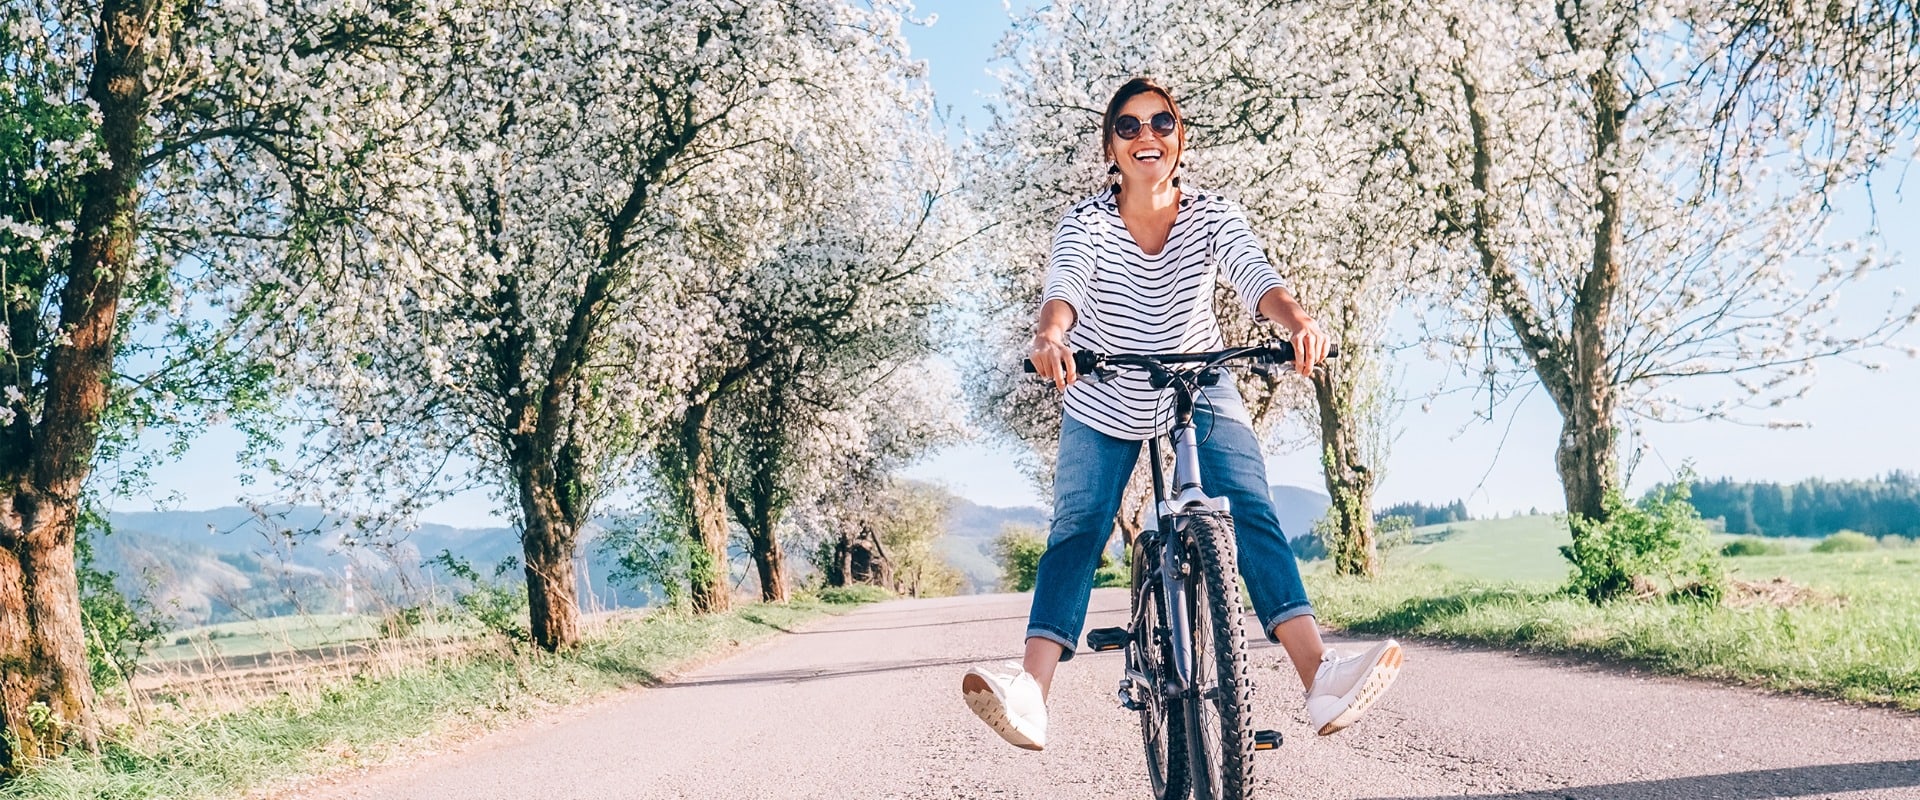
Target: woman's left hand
column 1310, row 345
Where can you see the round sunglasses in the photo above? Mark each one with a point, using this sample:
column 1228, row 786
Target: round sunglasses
column 1127, row 126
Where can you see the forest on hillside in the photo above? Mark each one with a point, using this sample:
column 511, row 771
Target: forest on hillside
column 1814, row 507
column 1423, row 514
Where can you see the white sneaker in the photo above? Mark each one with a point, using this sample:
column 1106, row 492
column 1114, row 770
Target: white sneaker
column 1345, row 686
column 1009, row 703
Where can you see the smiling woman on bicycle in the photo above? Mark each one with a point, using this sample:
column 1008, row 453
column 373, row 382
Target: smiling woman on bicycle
column 1132, row 270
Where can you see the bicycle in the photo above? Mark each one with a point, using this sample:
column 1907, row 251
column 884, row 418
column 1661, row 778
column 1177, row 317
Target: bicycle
column 1186, row 652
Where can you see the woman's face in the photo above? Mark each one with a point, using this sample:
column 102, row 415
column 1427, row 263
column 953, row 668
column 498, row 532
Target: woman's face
column 1147, row 159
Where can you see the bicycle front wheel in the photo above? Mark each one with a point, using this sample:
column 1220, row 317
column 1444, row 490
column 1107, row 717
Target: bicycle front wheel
column 1220, row 717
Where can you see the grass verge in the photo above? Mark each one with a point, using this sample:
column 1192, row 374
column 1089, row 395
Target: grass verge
column 362, row 721
column 1854, row 634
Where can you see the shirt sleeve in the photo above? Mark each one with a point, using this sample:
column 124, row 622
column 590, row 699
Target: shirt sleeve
column 1242, row 261
column 1069, row 264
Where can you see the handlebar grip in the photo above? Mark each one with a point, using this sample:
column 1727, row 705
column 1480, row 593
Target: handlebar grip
column 1283, row 352
column 1084, row 362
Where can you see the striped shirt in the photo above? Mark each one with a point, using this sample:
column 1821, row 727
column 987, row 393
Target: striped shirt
column 1126, row 301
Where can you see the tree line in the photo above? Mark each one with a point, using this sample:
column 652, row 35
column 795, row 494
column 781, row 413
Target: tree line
column 683, row 254
column 1419, row 513
column 1889, row 505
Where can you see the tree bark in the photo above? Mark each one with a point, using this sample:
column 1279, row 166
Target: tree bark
column 1588, row 463
column 46, row 688
column 707, row 504
column 770, row 559
column 42, row 641
column 1131, row 519
column 547, row 545
column 1349, row 481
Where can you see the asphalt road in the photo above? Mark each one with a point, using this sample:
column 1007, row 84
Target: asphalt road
column 867, row 705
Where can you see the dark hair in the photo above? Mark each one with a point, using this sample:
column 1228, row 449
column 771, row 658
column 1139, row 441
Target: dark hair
column 1128, row 91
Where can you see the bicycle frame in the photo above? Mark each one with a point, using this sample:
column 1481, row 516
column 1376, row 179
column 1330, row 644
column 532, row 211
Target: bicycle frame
column 1189, row 498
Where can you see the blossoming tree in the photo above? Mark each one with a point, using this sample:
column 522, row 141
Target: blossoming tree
column 523, row 300
column 126, row 129
column 1639, row 192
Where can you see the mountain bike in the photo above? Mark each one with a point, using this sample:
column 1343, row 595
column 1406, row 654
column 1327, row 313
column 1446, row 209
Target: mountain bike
column 1186, row 651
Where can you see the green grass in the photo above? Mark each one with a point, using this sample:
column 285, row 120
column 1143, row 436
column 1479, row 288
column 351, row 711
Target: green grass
column 360, row 721
column 1515, row 549
column 1856, row 636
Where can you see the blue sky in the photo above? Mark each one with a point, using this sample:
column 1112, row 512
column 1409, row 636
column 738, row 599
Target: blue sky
column 1863, row 423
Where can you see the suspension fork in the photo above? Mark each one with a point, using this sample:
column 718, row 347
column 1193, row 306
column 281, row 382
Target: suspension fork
column 1175, row 562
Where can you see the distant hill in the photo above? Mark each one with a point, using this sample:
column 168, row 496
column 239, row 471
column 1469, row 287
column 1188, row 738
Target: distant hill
column 971, row 529
column 1298, row 509
column 223, row 564
column 226, row 564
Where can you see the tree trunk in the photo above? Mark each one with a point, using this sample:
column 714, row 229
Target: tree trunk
column 1349, row 482
column 547, row 545
column 770, row 560
column 46, row 688
column 1586, row 456
column 1573, row 368
column 46, row 694
column 842, row 573
column 1589, row 466
column 1132, row 517
column 707, row 507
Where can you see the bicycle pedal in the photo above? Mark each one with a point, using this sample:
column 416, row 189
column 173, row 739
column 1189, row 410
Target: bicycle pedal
column 1266, row 740
column 1104, row 639
column 1129, row 700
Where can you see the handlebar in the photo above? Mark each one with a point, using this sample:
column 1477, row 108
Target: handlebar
column 1086, row 361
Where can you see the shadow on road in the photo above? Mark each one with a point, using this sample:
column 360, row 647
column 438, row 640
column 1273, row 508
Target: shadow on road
column 832, row 631
column 804, row 675
column 1822, row 780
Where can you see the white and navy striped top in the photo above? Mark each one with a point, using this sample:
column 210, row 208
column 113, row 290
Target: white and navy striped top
column 1126, row 301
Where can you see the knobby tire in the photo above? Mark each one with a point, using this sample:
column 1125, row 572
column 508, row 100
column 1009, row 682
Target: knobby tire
column 1221, row 719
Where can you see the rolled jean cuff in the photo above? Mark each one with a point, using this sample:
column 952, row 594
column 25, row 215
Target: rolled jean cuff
column 1300, row 609
column 1068, row 645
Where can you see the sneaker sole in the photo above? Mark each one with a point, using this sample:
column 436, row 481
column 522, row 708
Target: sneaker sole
column 1385, row 669
column 987, row 706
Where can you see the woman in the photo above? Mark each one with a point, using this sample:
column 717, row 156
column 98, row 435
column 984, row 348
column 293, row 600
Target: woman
column 1132, row 270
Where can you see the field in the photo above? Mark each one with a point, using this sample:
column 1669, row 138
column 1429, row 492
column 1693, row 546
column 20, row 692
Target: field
column 251, row 638
column 1524, row 549
column 1845, row 625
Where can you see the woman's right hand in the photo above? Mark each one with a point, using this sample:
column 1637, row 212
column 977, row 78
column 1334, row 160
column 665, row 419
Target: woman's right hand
column 1052, row 359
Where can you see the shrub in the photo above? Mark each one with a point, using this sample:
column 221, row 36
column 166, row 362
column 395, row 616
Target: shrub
column 119, row 629
column 1753, row 546
column 1894, row 541
column 1847, row 542
column 1660, row 545
column 1017, row 549
column 854, row 595
column 400, row 623
column 1114, row 572
column 498, row 603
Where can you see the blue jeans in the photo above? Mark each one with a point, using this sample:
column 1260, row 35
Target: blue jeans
column 1089, row 479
